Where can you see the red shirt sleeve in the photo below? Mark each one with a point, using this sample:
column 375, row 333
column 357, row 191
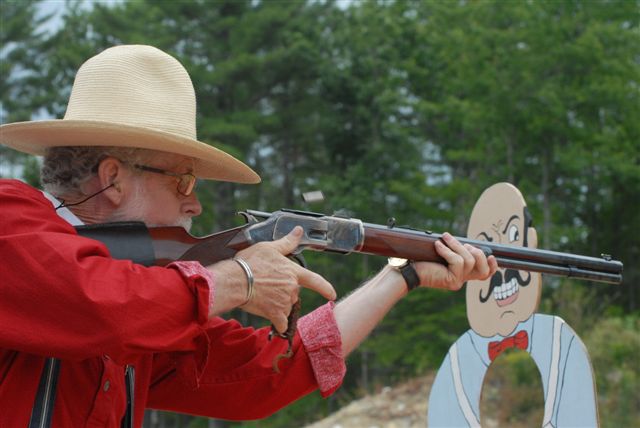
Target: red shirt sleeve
column 63, row 296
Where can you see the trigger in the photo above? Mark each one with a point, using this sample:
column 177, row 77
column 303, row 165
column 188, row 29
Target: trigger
column 298, row 259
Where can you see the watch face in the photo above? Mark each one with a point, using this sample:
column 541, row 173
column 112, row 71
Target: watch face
column 397, row 262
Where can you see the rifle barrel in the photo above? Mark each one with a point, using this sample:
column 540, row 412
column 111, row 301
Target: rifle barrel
column 419, row 245
column 566, row 271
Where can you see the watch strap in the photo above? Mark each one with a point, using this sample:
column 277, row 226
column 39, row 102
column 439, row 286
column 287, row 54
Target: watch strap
column 410, row 276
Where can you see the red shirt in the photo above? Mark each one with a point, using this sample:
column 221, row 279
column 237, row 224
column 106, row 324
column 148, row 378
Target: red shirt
column 62, row 296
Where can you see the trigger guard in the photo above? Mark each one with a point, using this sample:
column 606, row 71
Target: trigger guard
column 248, row 218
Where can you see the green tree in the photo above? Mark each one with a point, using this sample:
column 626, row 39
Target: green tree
column 21, row 38
column 543, row 95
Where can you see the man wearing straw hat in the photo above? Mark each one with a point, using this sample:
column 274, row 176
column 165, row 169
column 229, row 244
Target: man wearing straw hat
column 89, row 340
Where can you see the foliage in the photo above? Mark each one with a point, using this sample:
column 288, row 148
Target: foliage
column 394, row 109
column 512, row 392
column 20, row 51
column 614, row 346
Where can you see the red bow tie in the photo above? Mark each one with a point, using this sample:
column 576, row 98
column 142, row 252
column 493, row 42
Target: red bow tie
column 520, row 340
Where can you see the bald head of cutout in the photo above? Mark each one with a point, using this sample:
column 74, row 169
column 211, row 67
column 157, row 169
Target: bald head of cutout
column 498, row 304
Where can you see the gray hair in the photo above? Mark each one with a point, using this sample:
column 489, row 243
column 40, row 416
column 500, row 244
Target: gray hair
column 66, row 169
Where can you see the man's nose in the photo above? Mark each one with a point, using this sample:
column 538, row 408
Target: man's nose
column 191, row 205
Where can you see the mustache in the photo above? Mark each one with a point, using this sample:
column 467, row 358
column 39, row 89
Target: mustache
column 186, row 223
column 497, row 280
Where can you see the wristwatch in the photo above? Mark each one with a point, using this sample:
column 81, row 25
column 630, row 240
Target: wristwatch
column 405, row 267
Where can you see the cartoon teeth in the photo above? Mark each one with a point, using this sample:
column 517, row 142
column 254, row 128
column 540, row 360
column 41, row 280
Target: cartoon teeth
column 506, row 290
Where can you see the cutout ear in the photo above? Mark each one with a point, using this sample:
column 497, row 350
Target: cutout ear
column 532, row 237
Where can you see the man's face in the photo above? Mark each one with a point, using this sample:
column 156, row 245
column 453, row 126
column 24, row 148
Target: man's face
column 498, row 304
column 154, row 198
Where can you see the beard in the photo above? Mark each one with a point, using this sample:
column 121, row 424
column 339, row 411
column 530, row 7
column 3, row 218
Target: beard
column 137, row 206
column 184, row 222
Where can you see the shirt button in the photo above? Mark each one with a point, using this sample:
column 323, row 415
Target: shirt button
column 106, row 386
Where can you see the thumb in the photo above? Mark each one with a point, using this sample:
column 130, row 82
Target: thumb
column 288, row 243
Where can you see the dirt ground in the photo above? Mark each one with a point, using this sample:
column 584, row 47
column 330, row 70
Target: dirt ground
column 403, row 406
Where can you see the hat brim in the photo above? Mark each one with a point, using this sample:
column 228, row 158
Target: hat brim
column 210, row 163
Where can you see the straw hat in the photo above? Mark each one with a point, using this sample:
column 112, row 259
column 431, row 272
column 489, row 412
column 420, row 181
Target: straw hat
column 130, row 96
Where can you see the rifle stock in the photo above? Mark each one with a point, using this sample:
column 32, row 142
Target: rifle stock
column 341, row 235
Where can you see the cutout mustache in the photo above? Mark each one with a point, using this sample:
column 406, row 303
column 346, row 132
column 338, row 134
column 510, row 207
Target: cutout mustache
column 496, row 281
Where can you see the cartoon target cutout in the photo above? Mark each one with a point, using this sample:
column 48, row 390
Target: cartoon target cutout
column 501, row 313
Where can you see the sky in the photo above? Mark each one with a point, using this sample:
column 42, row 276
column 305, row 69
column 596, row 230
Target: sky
column 56, row 7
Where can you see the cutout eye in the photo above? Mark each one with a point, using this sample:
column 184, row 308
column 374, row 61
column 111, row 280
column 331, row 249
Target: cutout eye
column 484, row 237
column 514, row 233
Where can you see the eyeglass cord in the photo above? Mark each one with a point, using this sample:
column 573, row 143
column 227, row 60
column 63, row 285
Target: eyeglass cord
column 64, row 204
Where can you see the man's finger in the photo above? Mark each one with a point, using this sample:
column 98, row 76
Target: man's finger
column 455, row 261
column 493, row 264
column 457, row 247
column 287, row 244
column 315, row 282
column 482, row 267
column 280, row 324
column 295, row 296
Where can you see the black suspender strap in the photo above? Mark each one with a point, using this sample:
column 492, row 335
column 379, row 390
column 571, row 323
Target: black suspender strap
column 130, row 382
column 46, row 395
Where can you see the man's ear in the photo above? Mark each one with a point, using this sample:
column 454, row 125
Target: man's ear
column 111, row 173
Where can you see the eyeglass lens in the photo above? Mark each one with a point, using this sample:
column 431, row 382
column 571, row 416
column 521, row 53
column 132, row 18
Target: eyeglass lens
column 186, row 184
column 186, row 181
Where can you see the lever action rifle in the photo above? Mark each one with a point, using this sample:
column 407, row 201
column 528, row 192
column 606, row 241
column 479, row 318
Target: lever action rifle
column 333, row 233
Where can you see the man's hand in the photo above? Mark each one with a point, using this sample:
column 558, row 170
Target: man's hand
column 465, row 262
column 277, row 279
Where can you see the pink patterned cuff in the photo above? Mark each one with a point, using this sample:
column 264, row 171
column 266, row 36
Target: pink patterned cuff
column 323, row 343
column 195, row 269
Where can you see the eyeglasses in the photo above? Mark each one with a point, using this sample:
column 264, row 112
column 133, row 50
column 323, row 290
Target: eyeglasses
column 186, row 181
